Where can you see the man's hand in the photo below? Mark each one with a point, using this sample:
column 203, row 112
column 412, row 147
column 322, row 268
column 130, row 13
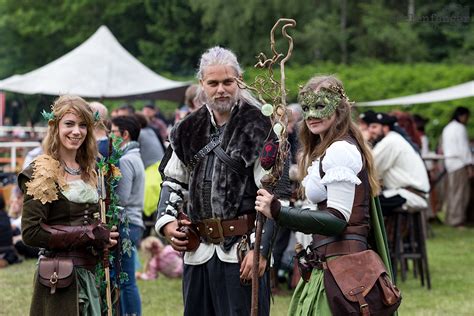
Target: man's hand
column 176, row 238
column 246, row 266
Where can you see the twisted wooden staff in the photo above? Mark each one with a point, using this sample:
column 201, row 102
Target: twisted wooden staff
column 271, row 88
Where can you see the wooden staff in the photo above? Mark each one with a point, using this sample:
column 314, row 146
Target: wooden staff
column 277, row 92
column 103, row 218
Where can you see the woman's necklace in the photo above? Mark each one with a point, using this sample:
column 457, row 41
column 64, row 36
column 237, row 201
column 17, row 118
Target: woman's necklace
column 72, row 171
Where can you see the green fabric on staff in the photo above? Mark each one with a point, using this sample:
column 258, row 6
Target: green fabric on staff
column 310, row 298
column 89, row 300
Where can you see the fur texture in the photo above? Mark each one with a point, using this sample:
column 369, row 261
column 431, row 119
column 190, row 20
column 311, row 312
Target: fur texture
column 243, row 139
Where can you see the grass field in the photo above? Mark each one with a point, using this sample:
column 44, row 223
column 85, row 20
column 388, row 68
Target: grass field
column 451, row 259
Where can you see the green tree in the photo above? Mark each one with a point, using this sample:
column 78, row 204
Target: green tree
column 385, row 34
column 34, row 33
column 176, row 38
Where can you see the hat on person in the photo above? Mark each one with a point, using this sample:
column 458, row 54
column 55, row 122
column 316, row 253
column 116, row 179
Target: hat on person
column 384, row 119
column 367, row 117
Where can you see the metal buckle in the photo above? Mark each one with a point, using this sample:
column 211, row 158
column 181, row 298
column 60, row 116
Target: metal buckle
column 211, row 224
column 54, row 278
column 361, row 307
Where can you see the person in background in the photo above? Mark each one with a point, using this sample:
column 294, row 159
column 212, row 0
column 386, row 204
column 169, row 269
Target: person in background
column 363, row 122
column 420, row 123
column 156, row 120
column 61, row 211
column 399, row 167
column 191, row 103
column 161, row 259
column 151, row 152
column 459, row 165
column 124, row 110
column 130, row 191
column 407, row 123
column 8, row 253
column 100, row 130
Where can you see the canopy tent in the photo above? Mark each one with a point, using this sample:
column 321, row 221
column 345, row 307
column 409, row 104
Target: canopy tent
column 461, row 91
column 99, row 68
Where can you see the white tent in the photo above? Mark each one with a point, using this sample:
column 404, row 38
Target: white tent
column 461, row 91
column 98, row 68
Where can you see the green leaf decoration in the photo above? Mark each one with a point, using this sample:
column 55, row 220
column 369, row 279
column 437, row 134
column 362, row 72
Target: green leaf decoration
column 48, row 116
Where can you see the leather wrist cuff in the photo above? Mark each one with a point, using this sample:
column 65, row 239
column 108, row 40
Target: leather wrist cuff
column 69, row 237
column 275, row 207
column 310, row 221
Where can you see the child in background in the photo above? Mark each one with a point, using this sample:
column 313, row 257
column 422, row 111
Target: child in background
column 162, row 259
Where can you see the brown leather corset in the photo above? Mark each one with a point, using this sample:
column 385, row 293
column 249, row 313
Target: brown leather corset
column 358, row 222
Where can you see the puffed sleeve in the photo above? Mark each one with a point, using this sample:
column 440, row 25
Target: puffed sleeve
column 341, row 163
column 314, row 189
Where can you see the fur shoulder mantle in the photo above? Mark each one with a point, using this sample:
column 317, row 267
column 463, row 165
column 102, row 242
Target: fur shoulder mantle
column 243, row 138
column 45, row 179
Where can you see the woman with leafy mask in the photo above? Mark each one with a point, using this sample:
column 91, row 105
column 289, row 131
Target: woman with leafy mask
column 61, row 212
column 336, row 169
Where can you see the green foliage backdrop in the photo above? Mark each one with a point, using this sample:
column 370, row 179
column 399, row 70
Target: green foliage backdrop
column 379, row 48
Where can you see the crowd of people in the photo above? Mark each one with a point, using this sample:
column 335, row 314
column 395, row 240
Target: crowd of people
column 190, row 194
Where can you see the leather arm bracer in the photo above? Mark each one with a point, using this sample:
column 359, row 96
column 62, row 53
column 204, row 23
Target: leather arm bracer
column 308, row 221
column 74, row 237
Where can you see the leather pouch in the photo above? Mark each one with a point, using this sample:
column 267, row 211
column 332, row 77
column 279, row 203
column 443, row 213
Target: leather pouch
column 358, row 284
column 55, row 272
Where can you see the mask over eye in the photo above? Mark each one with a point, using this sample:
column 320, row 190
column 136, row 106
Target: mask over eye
column 320, row 105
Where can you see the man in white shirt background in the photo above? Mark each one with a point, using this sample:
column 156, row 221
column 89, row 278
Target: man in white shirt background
column 458, row 163
column 403, row 174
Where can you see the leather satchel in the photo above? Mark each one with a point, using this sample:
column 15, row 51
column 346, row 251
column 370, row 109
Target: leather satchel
column 55, row 272
column 358, row 284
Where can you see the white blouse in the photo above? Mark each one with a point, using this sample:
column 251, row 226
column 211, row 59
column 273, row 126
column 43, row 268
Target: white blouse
column 341, row 164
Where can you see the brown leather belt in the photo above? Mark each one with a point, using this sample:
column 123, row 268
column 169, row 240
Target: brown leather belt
column 214, row 230
column 339, row 245
column 82, row 259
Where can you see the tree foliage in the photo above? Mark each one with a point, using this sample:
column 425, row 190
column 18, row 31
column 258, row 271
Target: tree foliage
column 353, row 39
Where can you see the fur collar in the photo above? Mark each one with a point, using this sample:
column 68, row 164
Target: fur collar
column 243, row 138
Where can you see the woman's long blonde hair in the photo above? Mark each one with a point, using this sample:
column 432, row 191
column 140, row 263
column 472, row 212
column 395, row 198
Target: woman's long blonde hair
column 87, row 152
column 312, row 146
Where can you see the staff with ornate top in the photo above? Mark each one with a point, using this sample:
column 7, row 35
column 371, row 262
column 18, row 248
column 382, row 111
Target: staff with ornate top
column 276, row 150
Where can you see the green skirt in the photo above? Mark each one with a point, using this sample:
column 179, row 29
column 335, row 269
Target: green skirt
column 310, row 298
column 88, row 296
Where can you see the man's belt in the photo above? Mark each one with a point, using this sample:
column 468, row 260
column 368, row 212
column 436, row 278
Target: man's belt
column 214, row 230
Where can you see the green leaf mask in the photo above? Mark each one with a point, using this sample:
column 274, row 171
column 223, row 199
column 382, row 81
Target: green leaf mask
column 321, row 104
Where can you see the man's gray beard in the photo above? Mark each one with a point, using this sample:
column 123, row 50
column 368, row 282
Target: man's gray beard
column 222, row 107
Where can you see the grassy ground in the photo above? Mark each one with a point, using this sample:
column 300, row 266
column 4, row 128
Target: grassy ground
column 451, row 257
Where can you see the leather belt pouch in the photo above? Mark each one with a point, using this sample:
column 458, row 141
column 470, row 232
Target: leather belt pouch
column 358, row 284
column 55, row 272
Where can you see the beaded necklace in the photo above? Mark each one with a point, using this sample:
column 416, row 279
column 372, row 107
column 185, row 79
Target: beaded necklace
column 72, row 171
